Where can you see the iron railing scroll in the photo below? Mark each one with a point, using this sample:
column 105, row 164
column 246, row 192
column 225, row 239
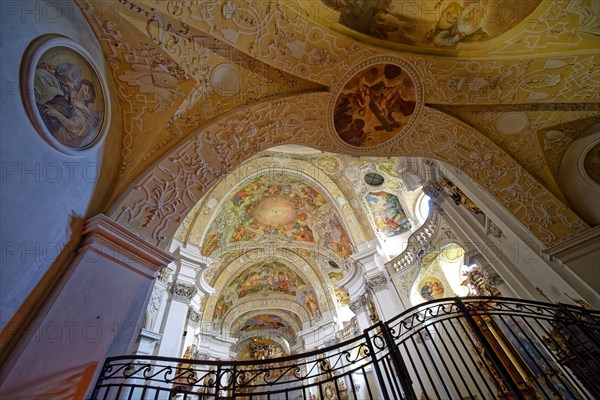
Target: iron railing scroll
column 456, row 348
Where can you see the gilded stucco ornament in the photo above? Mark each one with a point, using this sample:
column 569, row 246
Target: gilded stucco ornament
column 282, row 38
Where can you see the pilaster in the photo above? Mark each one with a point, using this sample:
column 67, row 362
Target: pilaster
column 95, row 312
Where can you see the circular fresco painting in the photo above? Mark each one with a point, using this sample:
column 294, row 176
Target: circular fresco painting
column 431, row 288
column 375, row 105
column 68, row 97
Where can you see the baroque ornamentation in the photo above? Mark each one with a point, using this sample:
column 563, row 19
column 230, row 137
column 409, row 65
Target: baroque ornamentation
column 553, row 126
column 461, row 146
column 416, row 242
column 164, row 195
column 459, row 197
column 193, row 317
column 377, row 282
column 274, row 34
column 558, row 79
column 154, row 305
column 491, row 229
column 435, row 192
column 183, row 292
column 393, row 114
column 359, row 305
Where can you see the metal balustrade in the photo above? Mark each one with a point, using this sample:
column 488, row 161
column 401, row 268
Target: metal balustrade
column 458, row 348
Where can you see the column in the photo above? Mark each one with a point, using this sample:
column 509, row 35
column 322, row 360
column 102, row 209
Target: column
column 383, row 298
column 149, row 335
column 94, row 312
column 191, row 324
column 186, row 291
column 360, row 308
column 175, row 318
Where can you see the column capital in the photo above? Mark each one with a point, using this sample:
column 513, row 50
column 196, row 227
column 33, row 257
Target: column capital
column 436, row 193
column 183, row 292
column 193, row 317
column 359, row 304
column 377, row 282
column 192, row 267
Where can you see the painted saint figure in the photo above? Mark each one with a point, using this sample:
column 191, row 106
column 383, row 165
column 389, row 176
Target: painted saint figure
column 64, row 101
column 426, row 291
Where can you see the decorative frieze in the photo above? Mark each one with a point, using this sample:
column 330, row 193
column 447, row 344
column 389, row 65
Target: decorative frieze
column 183, row 292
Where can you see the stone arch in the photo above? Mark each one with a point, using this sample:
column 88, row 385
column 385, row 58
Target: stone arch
column 287, row 304
column 287, row 257
column 248, row 171
column 156, row 205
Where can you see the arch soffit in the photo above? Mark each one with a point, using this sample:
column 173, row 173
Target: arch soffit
column 276, row 245
column 155, row 206
column 254, row 168
column 265, row 307
column 287, row 257
column 291, row 319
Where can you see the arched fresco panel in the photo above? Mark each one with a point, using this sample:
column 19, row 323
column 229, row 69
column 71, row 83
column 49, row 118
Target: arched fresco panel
column 387, row 213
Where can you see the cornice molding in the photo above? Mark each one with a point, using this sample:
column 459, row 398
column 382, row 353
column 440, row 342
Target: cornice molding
column 105, row 236
column 584, row 243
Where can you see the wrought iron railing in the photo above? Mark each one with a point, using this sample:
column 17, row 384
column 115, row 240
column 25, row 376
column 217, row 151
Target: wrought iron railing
column 458, row 348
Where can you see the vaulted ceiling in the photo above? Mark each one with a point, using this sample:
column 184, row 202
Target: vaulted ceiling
column 496, row 88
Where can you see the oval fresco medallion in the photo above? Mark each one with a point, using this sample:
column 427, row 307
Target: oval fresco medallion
column 375, row 105
column 431, row 288
column 67, row 100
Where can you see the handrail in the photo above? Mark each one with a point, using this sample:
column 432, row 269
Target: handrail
column 487, row 347
column 420, row 237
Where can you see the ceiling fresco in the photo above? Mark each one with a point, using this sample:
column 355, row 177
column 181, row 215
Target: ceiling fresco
column 265, row 278
column 277, row 206
column 374, row 105
column 273, row 324
column 432, row 23
column 387, row 213
column 497, row 89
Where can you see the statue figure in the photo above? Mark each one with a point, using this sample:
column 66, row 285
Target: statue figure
column 479, row 284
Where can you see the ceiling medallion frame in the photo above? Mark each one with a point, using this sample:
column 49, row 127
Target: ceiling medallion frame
column 336, row 92
column 84, row 71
